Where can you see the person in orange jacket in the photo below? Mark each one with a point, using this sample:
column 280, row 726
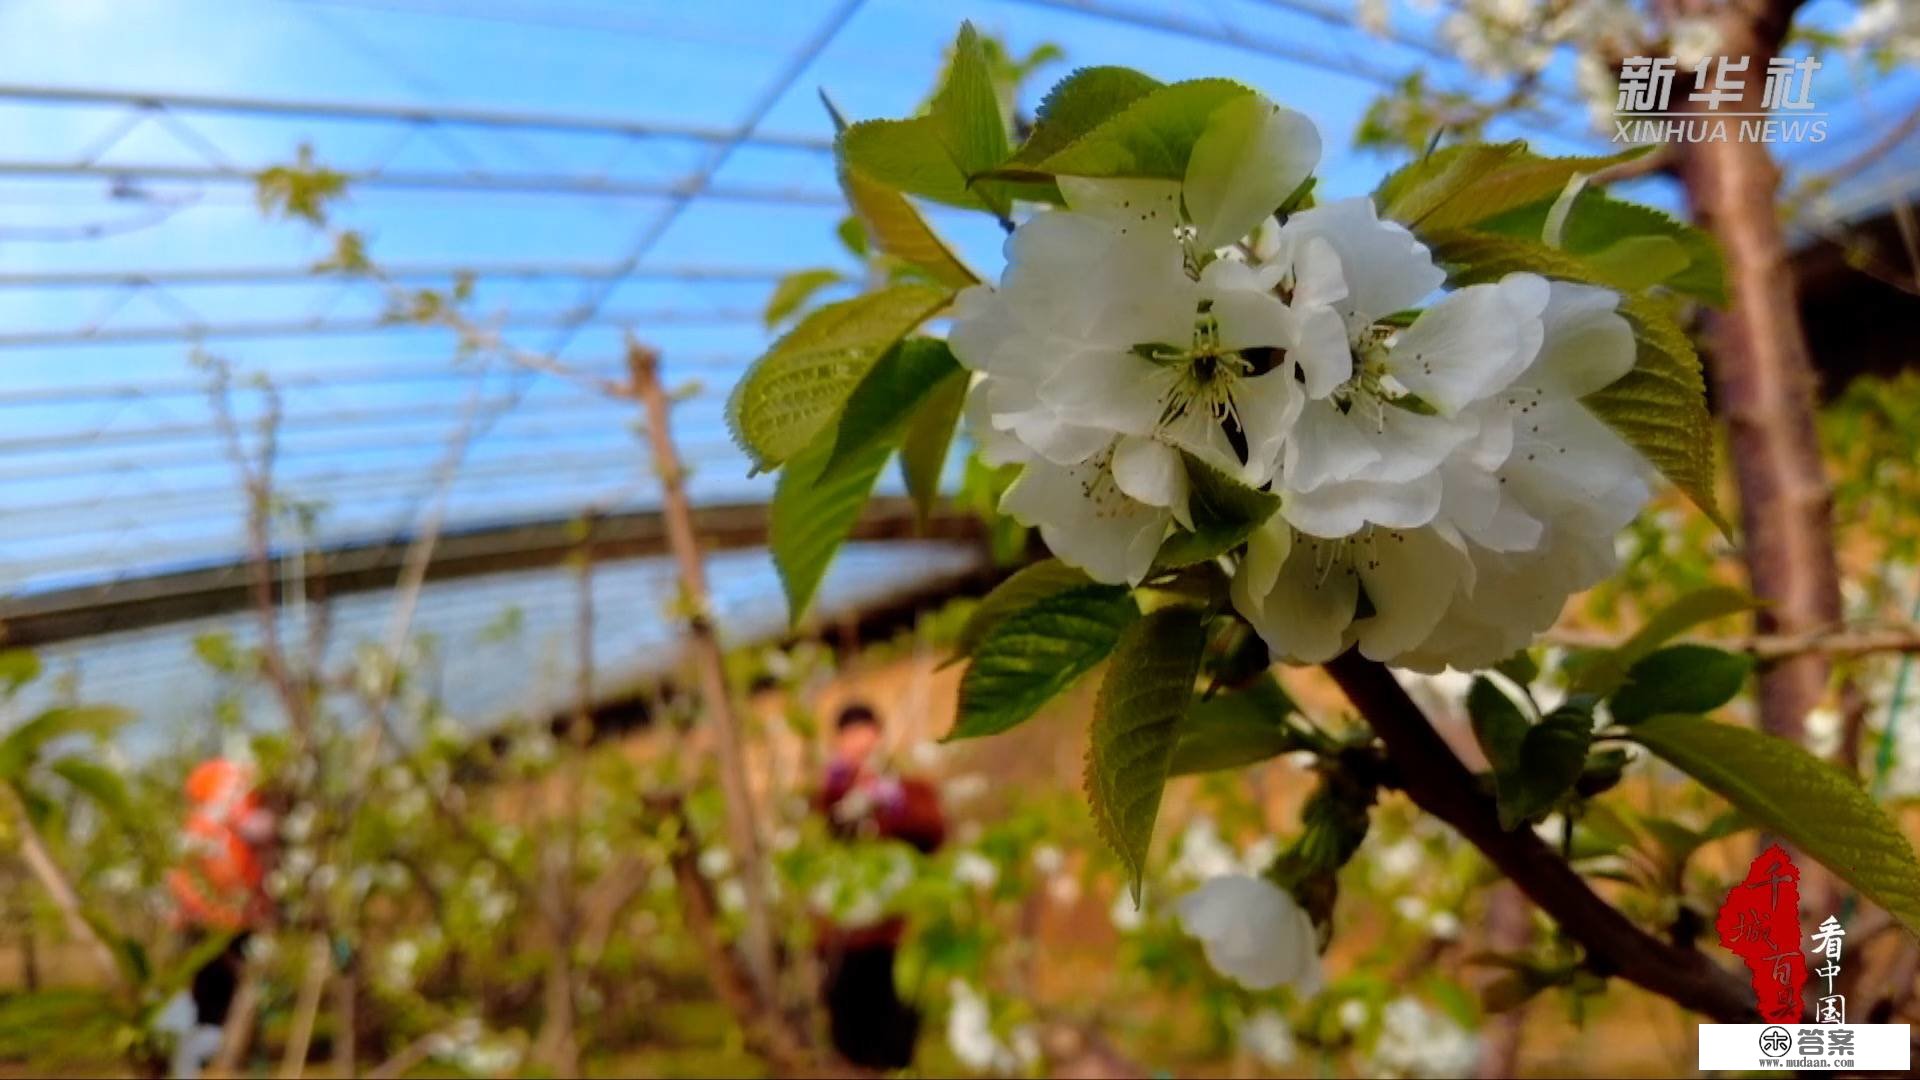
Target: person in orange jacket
column 871, row 1026
column 219, row 889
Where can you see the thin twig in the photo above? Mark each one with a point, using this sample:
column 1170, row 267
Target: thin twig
column 39, row 860
column 306, row 1009
column 1833, row 641
column 743, row 834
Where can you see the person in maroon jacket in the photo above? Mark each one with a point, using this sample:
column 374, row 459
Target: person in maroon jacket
column 871, row 1026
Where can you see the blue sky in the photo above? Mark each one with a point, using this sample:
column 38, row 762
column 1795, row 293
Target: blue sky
column 98, row 481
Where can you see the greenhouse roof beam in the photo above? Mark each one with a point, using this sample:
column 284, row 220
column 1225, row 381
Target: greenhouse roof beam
column 33, row 621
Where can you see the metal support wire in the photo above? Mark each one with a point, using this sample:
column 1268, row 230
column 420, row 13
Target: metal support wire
column 416, row 115
column 701, row 183
column 307, row 275
column 377, row 178
column 279, row 328
column 1219, row 33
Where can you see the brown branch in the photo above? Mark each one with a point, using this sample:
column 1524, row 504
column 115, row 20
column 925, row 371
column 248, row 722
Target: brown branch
column 743, row 834
column 1832, row 641
column 1439, row 784
column 767, row 1030
column 41, row 862
column 1763, row 382
column 306, row 1009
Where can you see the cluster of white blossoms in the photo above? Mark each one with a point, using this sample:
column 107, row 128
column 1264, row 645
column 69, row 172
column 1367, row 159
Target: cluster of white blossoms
column 1442, row 490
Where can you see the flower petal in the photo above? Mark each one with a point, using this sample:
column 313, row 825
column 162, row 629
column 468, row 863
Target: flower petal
column 1251, row 155
column 1587, row 347
column 1321, row 349
column 1410, row 577
column 1118, row 391
column 1385, row 268
column 1304, row 617
column 1266, row 552
column 1268, row 406
column 1151, row 472
column 1472, row 343
column 1348, row 506
column 1087, row 520
column 1326, row 446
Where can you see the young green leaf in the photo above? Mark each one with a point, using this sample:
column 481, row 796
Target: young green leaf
column 1603, row 673
column 1152, row 137
column 18, row 667
column 1079, row 103
column 1022, row 588
column 929, row 434
column 1821, row 809
column 1029, row 657
column 1462, row 186
column 814, row 509
column 99, row 783
column 793, row 291
column 1225, row 512
column 937, row 155
column 1552, row 755
column 1680, row 679
column 22, row 746
column 1627, row 245
column 798, row 387
column 1234, row 729
column 899, row 230
column 1148, row 688
column 878, row 408
column 1498, row 724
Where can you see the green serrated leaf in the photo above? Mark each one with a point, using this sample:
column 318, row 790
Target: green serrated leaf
column 936, row 155
column 1152, row 137
column 1680, row 679
column 1079, row 103
column 1552, row 755
column 1136, row 720
column 899, row 230
column 1627, row 245
column 1022, row 588
column 793, row 291
column 929, row 435
column 814, row 510
column 799, row 386
column 1235, row 729
column 878, row 408
column 1660, row 407
column 1498, row 724
column 1028, row 657
column 1461, row 186
column 1603, row 673
column 23, row 744
column 1821, row 809
column 1225, row 512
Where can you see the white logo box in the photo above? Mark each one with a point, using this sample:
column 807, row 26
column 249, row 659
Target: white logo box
column 1759, row 1046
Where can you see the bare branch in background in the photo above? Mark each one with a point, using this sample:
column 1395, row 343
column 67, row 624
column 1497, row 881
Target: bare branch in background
column 1831, row 641
column 40, row 861
column 716, row 701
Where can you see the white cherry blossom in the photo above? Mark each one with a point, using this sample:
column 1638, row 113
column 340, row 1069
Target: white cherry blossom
column 1117, row 340
column 1253, row 932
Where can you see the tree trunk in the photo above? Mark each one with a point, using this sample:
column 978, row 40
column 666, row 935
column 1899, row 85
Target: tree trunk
column 1763, row 384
